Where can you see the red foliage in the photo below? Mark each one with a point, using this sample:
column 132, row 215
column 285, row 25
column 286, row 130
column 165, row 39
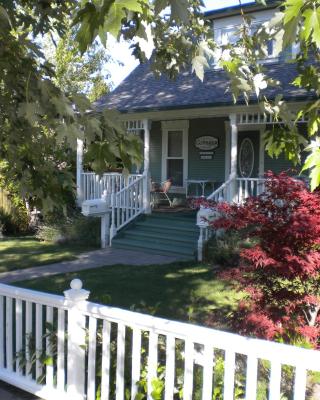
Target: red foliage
column 281, row 273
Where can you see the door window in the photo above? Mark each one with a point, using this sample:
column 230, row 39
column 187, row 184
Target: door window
column 246, row 158
column 175, row 160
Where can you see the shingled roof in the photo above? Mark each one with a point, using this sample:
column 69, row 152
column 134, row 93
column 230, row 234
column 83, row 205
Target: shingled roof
column 142, row 91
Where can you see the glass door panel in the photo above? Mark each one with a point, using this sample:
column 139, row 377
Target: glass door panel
column 175, row 159
column 175, row 171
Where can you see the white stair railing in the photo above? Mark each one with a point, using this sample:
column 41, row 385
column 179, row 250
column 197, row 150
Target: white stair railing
column 247, row 187
column 93, row 185
column 127, row 204
column 103, row 352
column 223, row 193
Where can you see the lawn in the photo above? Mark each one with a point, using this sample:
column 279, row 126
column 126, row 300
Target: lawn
column 178, row 291
column 26, row 252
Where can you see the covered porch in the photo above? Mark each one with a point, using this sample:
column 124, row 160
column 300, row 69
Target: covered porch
column 216, row 155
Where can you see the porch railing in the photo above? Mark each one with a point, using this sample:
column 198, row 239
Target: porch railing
column 127, row 204
column 95, row 351
column 93, row 186
column 247, row 187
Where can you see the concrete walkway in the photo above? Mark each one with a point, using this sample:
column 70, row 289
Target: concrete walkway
column 93, row 259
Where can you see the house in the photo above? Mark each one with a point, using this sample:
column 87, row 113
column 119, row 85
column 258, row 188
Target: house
column 194, row 134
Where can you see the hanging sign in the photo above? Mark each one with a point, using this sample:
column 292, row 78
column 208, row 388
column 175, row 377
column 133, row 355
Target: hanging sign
column 207, row 143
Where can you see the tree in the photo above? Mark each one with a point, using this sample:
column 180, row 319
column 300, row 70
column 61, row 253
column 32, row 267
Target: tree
column 74, row 73
column 182, row 38
column 39, row 123
column 281, row 272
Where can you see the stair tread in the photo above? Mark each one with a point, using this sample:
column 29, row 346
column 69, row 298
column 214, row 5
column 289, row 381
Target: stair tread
column 160, row 235
column 153, row 240
column 191, row 228
column 125, row 243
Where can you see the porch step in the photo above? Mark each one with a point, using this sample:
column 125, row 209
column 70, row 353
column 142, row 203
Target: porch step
column 161, row 233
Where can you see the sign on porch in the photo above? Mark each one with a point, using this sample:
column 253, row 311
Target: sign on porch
column 206, row 143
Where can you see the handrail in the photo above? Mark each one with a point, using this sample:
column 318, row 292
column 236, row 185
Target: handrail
column 131, row 184
column 225, row 185
column 127, row 204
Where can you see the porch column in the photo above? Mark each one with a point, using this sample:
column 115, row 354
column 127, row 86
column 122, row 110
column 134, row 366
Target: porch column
column 146, row 172
column 234, row 155
column 79, row 170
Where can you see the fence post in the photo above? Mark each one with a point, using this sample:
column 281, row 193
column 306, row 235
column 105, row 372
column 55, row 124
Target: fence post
column 76, row 340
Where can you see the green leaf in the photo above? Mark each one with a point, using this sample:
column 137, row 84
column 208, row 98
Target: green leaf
column 292, row 9
column 312, row 25
column 198, row 65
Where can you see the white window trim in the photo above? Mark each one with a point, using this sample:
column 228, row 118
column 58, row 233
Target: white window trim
column 178, row 125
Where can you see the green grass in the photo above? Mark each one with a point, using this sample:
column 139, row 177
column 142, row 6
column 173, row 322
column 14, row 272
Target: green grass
column 178, row 291
column 27, row 252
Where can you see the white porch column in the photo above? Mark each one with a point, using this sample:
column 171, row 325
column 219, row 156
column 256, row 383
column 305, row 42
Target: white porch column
column 146, row 172
column 79, row 170
column 234, row 155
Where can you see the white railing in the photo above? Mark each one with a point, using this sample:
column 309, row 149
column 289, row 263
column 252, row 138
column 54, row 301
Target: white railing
column 223, row 192
column 243, row 188
column 247, row 187
column 127, row 204
column 104, row 352
column 93, row 186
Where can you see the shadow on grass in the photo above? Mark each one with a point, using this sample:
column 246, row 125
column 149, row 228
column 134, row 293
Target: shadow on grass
column 178, row 291
column 27, row 252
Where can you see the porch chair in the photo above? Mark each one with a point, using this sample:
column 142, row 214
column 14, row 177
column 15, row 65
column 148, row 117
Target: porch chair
column 163, row 189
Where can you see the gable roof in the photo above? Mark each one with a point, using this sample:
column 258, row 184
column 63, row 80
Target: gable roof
column 142, row 91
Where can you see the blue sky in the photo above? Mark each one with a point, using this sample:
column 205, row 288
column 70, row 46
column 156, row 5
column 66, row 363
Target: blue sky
column 122, row 52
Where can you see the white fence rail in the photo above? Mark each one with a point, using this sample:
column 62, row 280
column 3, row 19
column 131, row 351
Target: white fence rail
column 93, row 186
column 108, row 353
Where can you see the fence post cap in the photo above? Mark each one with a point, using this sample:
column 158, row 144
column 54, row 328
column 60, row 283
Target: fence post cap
column 76, row 293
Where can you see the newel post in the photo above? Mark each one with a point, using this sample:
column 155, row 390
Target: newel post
column 79, row 171
column 76, row 340
column 146, row 172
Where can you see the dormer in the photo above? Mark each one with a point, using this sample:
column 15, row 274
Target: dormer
column 227, row 21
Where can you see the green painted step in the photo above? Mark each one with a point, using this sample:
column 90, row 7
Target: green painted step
column 153, row 248
column 161, row 233
column 160, row 236
column 187, row 233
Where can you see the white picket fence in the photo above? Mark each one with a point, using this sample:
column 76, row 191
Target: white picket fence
column 104, row 351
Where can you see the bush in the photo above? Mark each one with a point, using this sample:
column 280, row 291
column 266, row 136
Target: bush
column 14, row 223
column 76, row 229
column 224, row 250
column 281, row 273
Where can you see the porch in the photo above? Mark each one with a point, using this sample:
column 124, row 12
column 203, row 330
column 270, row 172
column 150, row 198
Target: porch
column 220, row 157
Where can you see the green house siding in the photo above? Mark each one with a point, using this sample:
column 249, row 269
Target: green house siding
column 207, row 169
column 277, row 164
column 155, row 151
column 213, row 169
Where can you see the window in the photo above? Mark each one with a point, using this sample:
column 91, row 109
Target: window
column 175, row 152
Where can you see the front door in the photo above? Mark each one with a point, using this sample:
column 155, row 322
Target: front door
column 174, row 157
column 248, row 154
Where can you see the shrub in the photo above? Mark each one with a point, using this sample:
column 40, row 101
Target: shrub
column 281, row 273
column 76, row 229
column 14, row 223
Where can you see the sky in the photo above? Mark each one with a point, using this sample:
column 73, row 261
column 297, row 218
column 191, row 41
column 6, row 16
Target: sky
column 121, row 50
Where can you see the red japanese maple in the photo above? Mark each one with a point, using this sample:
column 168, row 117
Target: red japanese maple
column 281, row 274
